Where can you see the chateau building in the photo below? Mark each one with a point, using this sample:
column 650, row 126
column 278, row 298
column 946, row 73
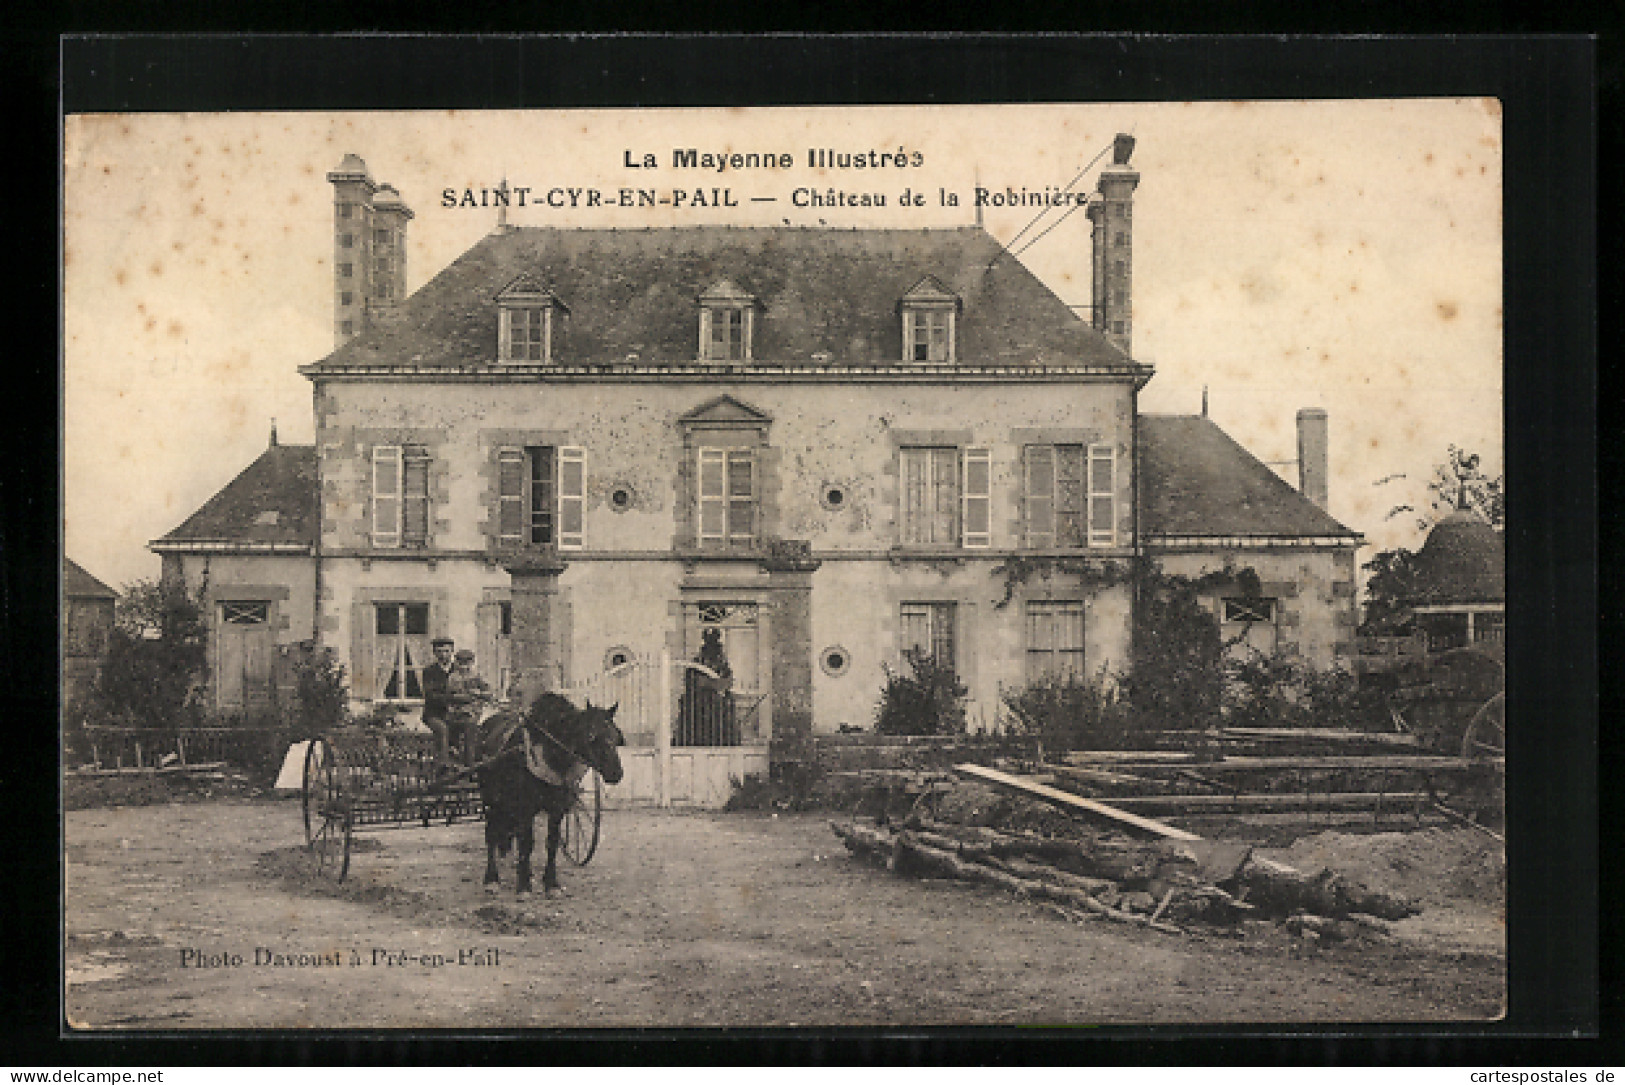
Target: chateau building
column 576, row 448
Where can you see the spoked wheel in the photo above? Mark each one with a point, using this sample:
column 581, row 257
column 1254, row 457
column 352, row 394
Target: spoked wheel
column 1486, row 735
column 581, row 821
column 332, row 846
column 312, row 793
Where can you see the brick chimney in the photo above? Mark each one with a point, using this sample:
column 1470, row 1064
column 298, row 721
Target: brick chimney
column 1112, row 213
column 369, row 247
column 1312, row 455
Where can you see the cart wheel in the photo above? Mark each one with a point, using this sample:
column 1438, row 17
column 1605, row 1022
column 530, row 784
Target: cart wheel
column 1487, row 733
column 581, row 821
column 311, row 793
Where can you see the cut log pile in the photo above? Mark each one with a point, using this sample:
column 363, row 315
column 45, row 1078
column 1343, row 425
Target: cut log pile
column 1120, row 866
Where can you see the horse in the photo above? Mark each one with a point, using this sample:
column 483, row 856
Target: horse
column 532, row 763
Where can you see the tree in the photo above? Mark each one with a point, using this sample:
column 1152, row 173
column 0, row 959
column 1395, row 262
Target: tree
column 157, row 656
column 1390, row 583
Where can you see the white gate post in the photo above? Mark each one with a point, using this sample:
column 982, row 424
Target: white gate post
column 663, row 730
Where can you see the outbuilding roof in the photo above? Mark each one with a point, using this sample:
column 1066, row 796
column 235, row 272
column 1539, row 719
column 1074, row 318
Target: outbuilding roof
column 1196, row 481
column 820, row 291
column 271, row 504
column 1463, row 561
column 78, row 584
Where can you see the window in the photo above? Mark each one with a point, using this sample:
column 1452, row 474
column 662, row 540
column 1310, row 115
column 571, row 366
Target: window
column 400, row 649
column 380, row 237
column 1249, row 623
column 346, row 297
column 1070, row 496
column 347, row 241
column 946, row 499
column 1054, row 640
column 930, row 312
column 542, row 496
column 727, row 497
column 725, row 333
column 400, row 496
column 505, row 618
column 347, row 327
column 526, row 338
column 346, row 271
column 346, row 210
column 927, row 335
column 929, row 628
column 248, row 613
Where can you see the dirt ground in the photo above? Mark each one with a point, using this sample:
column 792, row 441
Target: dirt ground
column 682, row 920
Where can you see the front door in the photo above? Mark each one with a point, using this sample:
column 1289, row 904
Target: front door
column 243, row 680
column 736, row 628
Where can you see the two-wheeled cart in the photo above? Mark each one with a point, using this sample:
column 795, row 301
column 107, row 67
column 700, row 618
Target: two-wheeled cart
column 363, row 779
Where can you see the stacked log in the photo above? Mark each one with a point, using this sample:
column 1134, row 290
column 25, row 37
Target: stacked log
column 1143, row 883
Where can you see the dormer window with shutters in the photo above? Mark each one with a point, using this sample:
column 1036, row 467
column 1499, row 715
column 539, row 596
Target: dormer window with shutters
column 527, row 312
column 727, row 321
column 930, row 317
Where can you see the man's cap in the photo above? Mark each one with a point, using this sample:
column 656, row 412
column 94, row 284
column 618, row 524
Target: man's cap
column 465, row 656
column 438, row 641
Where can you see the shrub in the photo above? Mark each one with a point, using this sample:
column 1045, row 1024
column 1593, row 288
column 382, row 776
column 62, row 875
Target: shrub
column 321, row 698
column 1284, row 691
column 929, row 700
column 1071, row 712
column 1176, row 679
column 157, row 658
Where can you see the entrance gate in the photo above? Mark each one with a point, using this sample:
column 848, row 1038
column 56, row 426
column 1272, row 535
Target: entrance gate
column 660, row 699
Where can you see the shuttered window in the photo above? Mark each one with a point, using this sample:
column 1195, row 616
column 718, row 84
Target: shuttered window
column 541, row 496
column 977, row 501
column 727, row 497
column 1070, row 496
column 400, row 496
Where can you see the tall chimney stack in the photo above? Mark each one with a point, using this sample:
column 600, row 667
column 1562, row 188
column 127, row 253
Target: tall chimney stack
column 1112, row 213
column 1312, row 455
column 369, row 247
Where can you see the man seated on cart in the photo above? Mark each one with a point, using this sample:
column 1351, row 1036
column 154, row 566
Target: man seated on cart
column 436, row 706
column 466, row 695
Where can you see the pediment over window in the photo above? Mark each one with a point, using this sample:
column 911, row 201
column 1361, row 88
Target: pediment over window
column 930, row 292
column 528, row 290
column 725, row 411
column 724, row 292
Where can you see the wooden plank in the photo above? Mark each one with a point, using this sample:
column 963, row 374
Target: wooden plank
column 1374, row 762
column 1319, row 734
column 1075, row 802
column 1138, row 757
column 1343, row 800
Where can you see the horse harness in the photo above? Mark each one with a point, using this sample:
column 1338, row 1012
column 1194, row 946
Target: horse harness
column 537, row 765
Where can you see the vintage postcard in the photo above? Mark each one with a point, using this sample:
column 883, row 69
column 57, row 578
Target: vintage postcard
column 906, row 566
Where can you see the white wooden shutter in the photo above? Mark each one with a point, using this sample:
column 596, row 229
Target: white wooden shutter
column 976, row 491
column 1102, row 495
column 572, row 491
column 386, row 495
column 713, row 497
column 511, row 495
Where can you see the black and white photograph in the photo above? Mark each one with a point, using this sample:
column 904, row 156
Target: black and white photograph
column 856, row 566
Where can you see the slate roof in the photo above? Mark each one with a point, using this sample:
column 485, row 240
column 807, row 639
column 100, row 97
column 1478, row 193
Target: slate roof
column 819, row 290
column 282, row 481
column 1196, row 480
column 1462, row 561
column 78, row 584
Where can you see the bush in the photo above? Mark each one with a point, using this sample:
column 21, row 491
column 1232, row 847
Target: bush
column 157, row 658
column 929, row 700
column 1284, row 691
column 1176, row 679
column 1074, row 713
column 321, row 698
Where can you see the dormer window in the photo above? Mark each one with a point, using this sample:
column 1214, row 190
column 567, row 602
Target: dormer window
column 930, row 314
column 526, row 313
column 727, row 321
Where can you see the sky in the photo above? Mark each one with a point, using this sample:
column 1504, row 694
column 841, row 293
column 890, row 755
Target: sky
column 1343, row 255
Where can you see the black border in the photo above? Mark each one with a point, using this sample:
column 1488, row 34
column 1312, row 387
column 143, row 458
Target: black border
column 1548, row 87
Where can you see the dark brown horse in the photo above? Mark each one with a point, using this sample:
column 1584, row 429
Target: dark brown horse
column 532, row 764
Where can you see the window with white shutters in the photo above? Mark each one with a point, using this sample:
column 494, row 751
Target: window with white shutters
column 1069, row 496
column 541, row 496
